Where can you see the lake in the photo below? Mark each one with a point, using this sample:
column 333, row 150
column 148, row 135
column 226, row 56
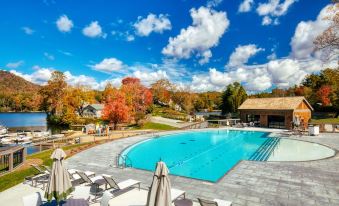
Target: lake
column 23, row 119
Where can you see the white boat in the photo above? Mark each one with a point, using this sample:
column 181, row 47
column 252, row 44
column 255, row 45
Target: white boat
column 3, row 130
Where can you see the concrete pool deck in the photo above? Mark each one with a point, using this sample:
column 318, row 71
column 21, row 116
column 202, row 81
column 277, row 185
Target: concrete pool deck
column 248, row 183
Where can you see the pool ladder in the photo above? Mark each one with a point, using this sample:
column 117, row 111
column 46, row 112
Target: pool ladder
column 125, row 161
column 265, row 150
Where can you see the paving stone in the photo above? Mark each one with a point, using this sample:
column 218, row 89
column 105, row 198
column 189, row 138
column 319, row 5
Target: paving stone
column 248, row 183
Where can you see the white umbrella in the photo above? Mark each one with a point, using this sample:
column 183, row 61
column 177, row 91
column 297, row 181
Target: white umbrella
column 59, row 184
column 160, row 191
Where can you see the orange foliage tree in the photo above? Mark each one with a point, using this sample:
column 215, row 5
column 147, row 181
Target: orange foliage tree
column 116, row 110
column 138, row 97
column 323, row 94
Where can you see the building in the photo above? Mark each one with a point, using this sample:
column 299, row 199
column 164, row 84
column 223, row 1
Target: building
column 279, row 112
column 93, row 110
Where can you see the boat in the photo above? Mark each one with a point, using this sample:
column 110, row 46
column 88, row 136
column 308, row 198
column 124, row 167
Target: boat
column 3, row 130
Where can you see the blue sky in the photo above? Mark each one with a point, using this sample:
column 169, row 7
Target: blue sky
column 200, row 45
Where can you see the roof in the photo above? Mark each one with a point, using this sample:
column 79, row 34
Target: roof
column 97, row 106
column 276, row 103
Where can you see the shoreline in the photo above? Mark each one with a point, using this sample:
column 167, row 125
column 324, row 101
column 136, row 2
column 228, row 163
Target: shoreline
column 23, row 112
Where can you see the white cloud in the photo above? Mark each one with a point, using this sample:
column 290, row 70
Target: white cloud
column 65, row 53
column 93, row 30
column 152, row 23
column 246, row 6
column 13, row 65
column 49, row 56
column 64, row 24
column 148, row 78
column 305, row 33
column 108, row 65
column 207, row 28
column 130, row 38
column 28, row 30
column 242, row 54
column 213, row 3
column 273, row 9
column 39, row 76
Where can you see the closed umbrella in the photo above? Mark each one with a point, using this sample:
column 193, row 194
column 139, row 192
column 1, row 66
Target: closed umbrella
column 160, row 191
column 59, row 184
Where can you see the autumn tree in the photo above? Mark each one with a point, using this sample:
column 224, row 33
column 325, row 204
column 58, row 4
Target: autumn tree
column 108, row 92
column 161, row 91
column 323, row 95
column 138, row 98
column 233, row 97
column 78, row 97
column 53, row 93
column 116, row 109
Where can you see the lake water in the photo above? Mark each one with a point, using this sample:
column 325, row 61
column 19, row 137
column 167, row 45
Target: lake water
column 23, row 119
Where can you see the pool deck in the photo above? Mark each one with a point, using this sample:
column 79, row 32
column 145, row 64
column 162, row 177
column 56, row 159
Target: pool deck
column 248, row 183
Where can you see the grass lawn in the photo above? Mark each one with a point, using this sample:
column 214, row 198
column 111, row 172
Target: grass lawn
column 16, row 177
column 157, row 126
column 327, row 120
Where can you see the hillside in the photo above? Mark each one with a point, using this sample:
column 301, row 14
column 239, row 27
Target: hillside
column 18, row 94
column 10, row 83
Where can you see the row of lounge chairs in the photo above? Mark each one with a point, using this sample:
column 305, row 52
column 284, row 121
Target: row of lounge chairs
column 86, row 180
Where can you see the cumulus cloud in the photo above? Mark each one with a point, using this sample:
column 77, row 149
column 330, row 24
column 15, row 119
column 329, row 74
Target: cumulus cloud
column 39, row 76
column 64, row 24
column 108, row 65
column 152, row 23
column 150, row 77
column 207, row 28
column 13, row 65
column 93, row 30
column 273, row 9
column 246, row 6
column 305, row 33
column 27, row 30
column 242, row 54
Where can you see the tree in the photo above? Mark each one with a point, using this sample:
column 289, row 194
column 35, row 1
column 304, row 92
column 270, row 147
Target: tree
column 233, row 97
column 53, row 93
column 116, row 110
column 323, row 94
column 108, row 92
column 77, row 97
column 138, row 98
column 161, row 91
column 328, row 41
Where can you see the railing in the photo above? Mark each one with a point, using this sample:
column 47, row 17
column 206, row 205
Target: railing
column 198, row 125
column 126, row 161
column 327, row 127
column 11, row 158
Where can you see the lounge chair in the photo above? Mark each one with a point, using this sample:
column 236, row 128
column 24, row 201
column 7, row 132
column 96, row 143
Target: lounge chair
column 176, row 194
column 106, row 197
column 41, row 177
column 74, row 176
column 215, row 202
column 81, row 192
column 121, row 185
column 32, row 199
column 97, row 181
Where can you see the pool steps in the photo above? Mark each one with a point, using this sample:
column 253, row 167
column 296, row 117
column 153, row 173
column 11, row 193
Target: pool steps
column 265, row 150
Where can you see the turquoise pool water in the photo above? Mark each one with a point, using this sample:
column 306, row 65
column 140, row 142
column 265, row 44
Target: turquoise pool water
column 205, row 155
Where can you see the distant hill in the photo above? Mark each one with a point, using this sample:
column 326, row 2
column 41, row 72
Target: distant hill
column 11, row 83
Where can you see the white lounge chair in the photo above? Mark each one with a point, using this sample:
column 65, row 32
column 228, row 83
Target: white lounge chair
column 75, row 176
column 121, row 185
column 215, row 202
column 32, row 199
column 176, row 194
column 96, row 180
column 81, row 192
column 106, row 197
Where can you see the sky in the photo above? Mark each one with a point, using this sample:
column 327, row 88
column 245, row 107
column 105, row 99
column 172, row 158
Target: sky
column 197, row 44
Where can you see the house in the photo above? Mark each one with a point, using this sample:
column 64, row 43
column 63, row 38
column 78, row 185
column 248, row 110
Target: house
column 279, row 112
column 93, row 110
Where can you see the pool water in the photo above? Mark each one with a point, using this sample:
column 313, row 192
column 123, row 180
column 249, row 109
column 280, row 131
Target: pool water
column 205, row 155
column 209, row 155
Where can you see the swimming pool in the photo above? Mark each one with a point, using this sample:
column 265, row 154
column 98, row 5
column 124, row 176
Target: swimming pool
column 209, row 155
